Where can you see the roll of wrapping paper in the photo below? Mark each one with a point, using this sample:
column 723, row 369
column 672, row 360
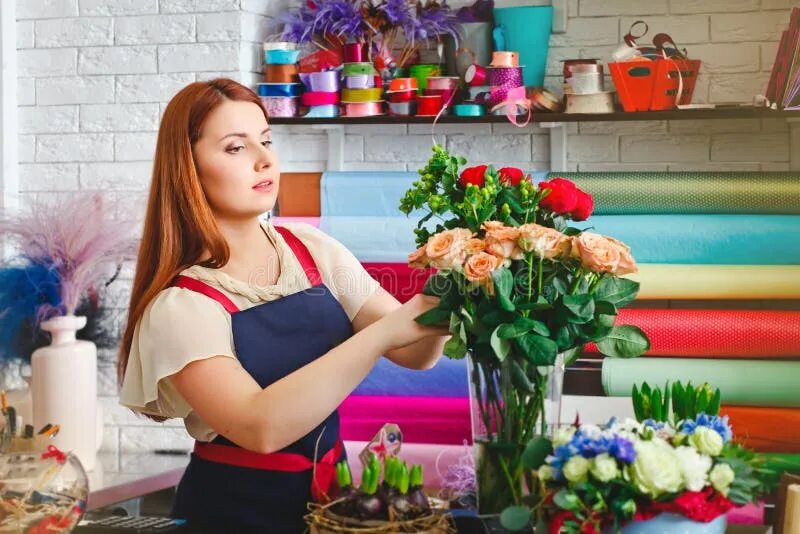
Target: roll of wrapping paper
column 277, row 73
column 718, row 282
column 742, row 382
column 352, row 96
column 279, row 89
column 400, row 280
column 299, row 194
column 363, row 109
column 765, row 429
column 705, row 239
column 690, row 192
column 683, row 333
column 355, row 69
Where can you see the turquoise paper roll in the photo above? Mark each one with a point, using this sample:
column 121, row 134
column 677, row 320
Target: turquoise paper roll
column 364, row 193
column 742, row 382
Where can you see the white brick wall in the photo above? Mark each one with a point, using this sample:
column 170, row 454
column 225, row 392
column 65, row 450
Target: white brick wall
column 95, row 75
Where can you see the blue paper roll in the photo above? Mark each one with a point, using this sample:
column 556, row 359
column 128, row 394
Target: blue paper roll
column 676, row 239
column 364, row 193
column 279, row 89
column 448, row 378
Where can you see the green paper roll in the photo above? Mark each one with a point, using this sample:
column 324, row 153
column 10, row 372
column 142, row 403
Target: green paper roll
column 717, row 282
column 742, row 382
column 628, row 193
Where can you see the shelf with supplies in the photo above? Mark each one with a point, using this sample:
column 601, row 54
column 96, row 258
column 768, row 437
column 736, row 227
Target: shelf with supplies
column 720, row 112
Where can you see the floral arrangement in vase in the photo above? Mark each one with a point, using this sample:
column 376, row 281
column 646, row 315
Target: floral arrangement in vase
column 67, row 253
column 669, row 470
column 523, row 292
column 394, row 30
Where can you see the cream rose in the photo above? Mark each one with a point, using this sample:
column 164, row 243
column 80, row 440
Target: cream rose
column 721, row 478
column 694, row 467
column 501, row 240
column 446, row 249
column 478, row 268
column 419, row 259
column 576, row 469
column 707, row 441
column 603, row 254
column 547, row 243
column 545, row 473
column 604, row 467
column 655, row 471
column 563, row 435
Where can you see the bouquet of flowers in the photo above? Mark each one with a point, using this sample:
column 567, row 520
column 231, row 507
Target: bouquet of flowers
column 522, row 291
column 594, row 478
column 381, row 24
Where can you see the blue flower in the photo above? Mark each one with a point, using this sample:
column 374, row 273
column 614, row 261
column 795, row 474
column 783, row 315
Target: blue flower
column 719, row 424
column 655, row 425
column 622, row 449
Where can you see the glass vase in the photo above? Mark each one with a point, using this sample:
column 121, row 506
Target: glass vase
column 504, row 419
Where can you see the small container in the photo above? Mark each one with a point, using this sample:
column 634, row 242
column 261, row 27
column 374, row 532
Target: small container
column 592, row 103
column 588, row 83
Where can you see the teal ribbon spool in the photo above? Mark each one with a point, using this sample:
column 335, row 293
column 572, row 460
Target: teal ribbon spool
column 469, row 110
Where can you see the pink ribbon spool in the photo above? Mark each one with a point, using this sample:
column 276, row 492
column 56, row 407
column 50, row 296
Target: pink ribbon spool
column 515, row 98
column 442, row 83
column 280, row 106
column 505, row 77
column 363, row 109
column 354, row 53
column 475, row 75
column 503, row 58
column 316, row 98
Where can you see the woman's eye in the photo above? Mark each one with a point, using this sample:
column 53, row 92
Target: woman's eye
column 235, row 149
column 266, row 143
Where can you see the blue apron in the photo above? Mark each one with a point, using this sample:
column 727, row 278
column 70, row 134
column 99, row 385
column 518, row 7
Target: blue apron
column 271, row 341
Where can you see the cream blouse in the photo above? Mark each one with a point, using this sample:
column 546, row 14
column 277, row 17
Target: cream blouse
column 180, row 326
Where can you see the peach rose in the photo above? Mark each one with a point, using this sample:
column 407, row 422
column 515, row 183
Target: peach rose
column 419, row 259
column 446, row 249
column 546, row 242
column 603, row 254
column 478, row 269
column 501, row 240
column 474, row 245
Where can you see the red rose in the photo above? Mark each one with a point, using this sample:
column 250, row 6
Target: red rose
column 562, row 198
column 510, row 175
column 584, row 206
column 473, row 175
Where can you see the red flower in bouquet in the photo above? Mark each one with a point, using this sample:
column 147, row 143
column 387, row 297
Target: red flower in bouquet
column 510, row 175
column 565, row 198
column 473, row 175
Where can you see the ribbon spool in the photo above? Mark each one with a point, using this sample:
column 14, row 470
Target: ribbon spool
column 402, row 96
column 475, row 75
column 429, row 105
column 469, row 110
column 362, row 95
column 356, row 69
column 503, row 58
column 360, row 81
column 314, row 98
column 325, row 112
column 281, row 73
column 403, row 109
column 505, row 76
column 363, row 109
column 280, row 106
column 281, row 56
column 354, row 53
column 279, row 89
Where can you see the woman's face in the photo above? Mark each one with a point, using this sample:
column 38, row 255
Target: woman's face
column 235, row 162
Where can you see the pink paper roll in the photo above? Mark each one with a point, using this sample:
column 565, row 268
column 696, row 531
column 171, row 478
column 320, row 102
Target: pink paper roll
column 278, row 220
column 363, row 109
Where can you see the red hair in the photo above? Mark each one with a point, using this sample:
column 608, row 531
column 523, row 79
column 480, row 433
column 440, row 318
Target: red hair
column 179, row 225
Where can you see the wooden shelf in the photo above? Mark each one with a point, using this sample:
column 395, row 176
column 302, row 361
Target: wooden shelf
column 726, row 112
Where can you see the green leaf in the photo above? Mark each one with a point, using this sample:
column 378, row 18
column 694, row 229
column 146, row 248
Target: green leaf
column 455, row 348
column 638, row 404
column 581, row 307
column 603, row 307
column 515, row 518
column 665, row 407
column 540, row 304
column 702, row 402
column 519, row 379
column 434, row 316
column 521, row 326
column 713, row 407
column 624, row 341
column 536, row 451
column 570, row 355
column 678, row 405
column 563, row 338
column 655, row 404
column 567, row 500
column 561, row 286
column 438, row 285
column 538, row 350
column 617, row 291
column 503, row 284
column 500, row 346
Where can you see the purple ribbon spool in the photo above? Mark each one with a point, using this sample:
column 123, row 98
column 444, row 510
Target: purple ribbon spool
column 505, row 76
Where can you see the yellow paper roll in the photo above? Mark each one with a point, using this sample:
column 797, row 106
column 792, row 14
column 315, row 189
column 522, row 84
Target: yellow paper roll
column 791, row 511
column 722, row 282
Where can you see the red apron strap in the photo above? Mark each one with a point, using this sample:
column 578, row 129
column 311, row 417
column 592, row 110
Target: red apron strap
column 187, row 282
column 302, row 254
column 322, row 485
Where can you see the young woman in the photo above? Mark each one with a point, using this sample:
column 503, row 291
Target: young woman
column 251, row 333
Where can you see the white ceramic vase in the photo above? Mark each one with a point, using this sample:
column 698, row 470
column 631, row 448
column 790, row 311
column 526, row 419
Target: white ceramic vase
column 64, row 386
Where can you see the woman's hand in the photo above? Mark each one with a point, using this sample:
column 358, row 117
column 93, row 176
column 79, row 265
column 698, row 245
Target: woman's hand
column 400, row 327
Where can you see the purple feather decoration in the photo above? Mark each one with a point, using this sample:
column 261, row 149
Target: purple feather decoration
column 77, row 237
column 480, row 11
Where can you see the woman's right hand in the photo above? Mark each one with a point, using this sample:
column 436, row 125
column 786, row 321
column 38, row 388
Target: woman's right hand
column 401, row 328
